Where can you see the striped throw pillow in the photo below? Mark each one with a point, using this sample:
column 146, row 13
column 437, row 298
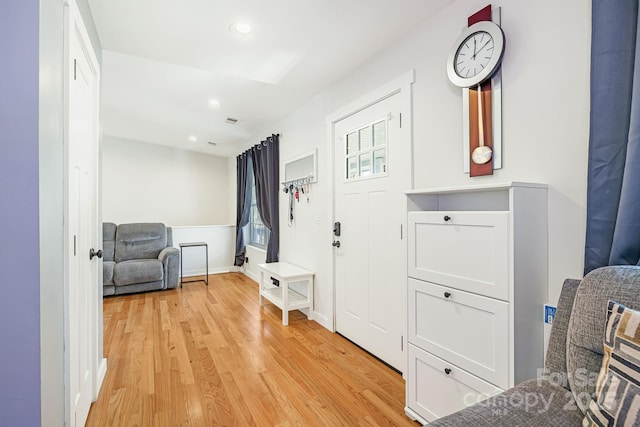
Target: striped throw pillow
column 618, row 388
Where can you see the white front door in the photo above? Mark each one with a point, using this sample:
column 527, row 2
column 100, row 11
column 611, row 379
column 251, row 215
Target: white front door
column 372, row 167
column 82, row 226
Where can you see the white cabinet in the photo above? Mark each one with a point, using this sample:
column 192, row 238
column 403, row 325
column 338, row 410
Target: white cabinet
column 477, row 265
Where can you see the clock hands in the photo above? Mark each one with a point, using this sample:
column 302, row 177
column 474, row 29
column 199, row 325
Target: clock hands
column 483, row 46
column 474, row 49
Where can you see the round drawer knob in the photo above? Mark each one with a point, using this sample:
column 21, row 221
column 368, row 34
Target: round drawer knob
column 447, row 294
column 447, row 218
column 447, row 371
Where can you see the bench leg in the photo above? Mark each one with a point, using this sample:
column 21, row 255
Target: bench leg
column 284, row 284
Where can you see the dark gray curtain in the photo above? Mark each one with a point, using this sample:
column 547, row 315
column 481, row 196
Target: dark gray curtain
column 613, row 192
column 243, row 205
column 266, row 169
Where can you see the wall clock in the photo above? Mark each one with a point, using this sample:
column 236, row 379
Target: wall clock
column 476, row 54
column 474, row 65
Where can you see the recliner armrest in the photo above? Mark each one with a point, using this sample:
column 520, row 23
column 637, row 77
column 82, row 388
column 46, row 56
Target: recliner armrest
column 168, row 252
column 170, row 258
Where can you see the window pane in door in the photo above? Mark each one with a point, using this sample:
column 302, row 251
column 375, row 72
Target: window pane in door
column 352, row 167
column 380, row 133
column 365, row 164
column 380, row 161
column 352, row 143
column 365, row 138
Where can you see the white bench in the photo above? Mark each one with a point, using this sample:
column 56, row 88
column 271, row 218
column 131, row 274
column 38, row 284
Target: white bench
column 281, row 296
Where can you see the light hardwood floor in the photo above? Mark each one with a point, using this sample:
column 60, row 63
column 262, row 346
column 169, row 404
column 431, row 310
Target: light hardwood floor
column 211, row 356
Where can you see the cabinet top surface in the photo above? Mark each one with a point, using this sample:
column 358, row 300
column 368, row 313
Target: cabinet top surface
column 285, row 270
column 477, row 187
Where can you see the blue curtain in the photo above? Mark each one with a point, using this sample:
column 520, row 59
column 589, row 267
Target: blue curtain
column 613, row 192
column 243, row 203
column 266, row 169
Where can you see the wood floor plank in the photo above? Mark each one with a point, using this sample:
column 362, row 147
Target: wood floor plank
column 211, row 356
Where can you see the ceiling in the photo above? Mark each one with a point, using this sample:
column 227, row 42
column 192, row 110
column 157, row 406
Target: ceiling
column 164, row 60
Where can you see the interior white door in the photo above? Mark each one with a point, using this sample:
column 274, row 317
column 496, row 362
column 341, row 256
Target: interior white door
column 372, row 167
column 82, row 87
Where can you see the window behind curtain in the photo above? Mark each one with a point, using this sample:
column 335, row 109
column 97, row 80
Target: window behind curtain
column 256, row 233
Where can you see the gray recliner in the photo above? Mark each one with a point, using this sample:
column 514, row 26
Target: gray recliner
column 138, row 257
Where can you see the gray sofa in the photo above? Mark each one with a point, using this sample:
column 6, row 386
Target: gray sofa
column 138, row 257
column 574, row 356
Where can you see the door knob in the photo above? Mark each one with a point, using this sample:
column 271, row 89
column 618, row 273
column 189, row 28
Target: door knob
column 336, row 243
column 93, row 253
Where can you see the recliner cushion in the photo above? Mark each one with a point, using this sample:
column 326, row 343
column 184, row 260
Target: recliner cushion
column 587, row 325
column 139, row 241
column 137, row 271
column 108, row 240
column 107, row 273
column 536, row 402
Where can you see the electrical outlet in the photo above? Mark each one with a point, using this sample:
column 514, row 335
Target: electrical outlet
column 549, row 314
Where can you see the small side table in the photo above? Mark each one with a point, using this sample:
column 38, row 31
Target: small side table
column 192, row 245
column 283, row 297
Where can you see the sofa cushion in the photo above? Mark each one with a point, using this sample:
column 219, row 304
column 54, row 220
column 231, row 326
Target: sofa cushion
column 536, row 402
column 137, row 271
column 108, row 240
column 618, row 388
column 139, row 241
column 588, row 319
column 107, row 273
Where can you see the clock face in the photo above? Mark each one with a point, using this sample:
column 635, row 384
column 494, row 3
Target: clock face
column 474, row 54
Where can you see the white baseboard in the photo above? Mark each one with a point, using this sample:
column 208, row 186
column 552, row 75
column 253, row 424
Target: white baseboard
column 251, row 276
column 102, row 372
column 193, row 273
column 322, row 320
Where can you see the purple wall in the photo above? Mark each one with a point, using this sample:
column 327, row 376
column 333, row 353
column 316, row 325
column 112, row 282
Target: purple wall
column 19, row 242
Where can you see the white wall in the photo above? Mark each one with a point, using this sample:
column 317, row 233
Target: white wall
column 220, row 240
column 150, row 183
column 545, row 126
column 231, row 188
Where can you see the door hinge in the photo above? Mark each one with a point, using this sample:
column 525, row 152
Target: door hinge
column 401, row 342
column 75, row 66
column 74, row 245
column 401, row 235
column 400, row 120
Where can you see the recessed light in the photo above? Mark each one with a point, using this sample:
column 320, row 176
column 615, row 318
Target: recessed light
column 241, row 28
column 214, row 103
column 193, row 139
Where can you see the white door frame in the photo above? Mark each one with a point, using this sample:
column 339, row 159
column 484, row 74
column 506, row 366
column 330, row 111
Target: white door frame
column 74, row 27
column 401, row 85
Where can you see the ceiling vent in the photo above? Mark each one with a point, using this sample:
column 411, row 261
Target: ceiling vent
column 231, row 120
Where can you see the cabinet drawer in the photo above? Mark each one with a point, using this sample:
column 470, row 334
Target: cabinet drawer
column 464, row 250
column 432, row 393
column 468, row 330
